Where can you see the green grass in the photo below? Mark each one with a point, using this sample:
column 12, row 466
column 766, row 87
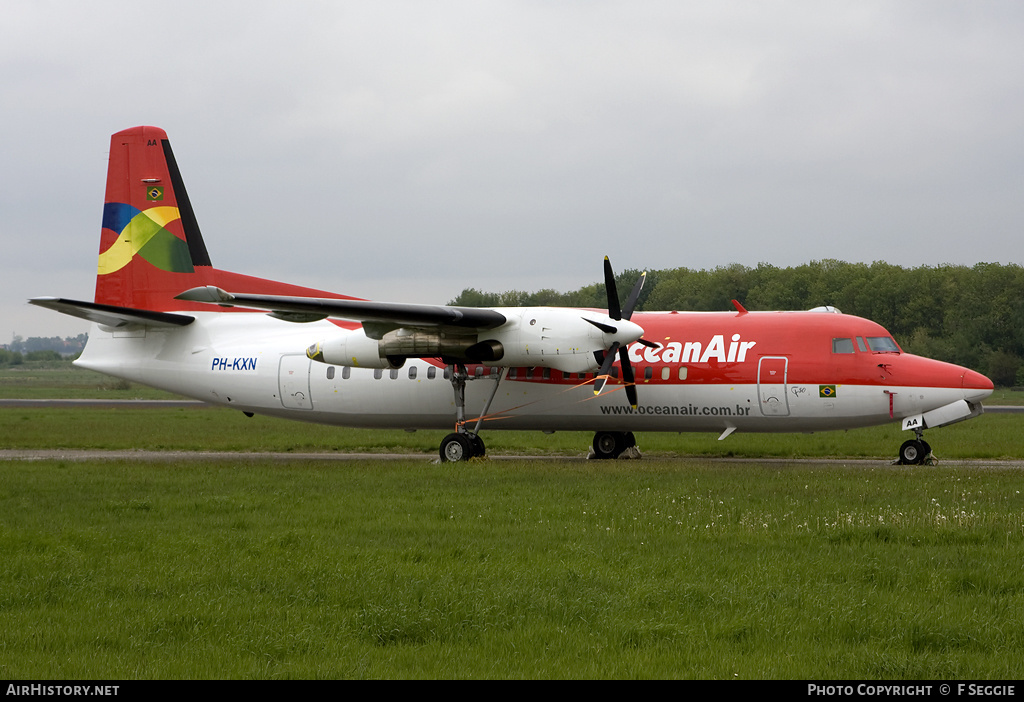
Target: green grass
column 540, row 569
column 244, row 567
column 1006, row 396
column 60, row 380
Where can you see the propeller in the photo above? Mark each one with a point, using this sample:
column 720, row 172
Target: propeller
column 618, row 313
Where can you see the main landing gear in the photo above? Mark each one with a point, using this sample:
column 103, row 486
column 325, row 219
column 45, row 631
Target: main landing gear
column 463, row 444
column 915, row 452
column 612, row 444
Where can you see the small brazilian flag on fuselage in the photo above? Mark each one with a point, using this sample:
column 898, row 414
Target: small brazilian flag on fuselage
column 155, row 193
column 826, row 391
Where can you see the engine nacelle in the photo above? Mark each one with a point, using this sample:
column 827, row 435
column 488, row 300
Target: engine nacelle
column 416, row 343
column 355, row 350
column 549, row 337
column 568, row 340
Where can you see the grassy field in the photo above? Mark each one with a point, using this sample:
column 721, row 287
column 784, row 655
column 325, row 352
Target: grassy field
column 677, row 567
column 49, row 380
column 542, row 569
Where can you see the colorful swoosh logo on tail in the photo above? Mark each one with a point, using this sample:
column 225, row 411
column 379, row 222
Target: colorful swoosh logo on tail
column 142, row 232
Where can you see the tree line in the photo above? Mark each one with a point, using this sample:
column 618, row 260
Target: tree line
column 68, row 346
column 40, row 348
column 969, row 315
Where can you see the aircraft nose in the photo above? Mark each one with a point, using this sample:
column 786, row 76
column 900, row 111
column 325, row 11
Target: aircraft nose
column 976, row 386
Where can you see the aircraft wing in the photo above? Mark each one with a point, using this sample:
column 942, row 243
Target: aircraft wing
column 392, row 314
column 110, row 315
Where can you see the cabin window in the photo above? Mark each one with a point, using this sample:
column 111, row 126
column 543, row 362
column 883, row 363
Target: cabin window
column 431, row 373
column 648, row 373
column 665, row 372
column 447, row 372
column 394, row 374
column 547, row 374
column 330, row 372
column 682, row 372
column 882, row 344
column 378, row 373
column 479, row 373
column 412, row 372
column 346, row 373
column 842, row 345
column 513, row 373
column 494, row 372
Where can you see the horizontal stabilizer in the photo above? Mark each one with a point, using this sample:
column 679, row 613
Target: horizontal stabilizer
column 399, row 314
column 111, row 316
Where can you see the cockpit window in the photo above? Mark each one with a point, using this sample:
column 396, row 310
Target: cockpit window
column 882, row 344
column 842, row 345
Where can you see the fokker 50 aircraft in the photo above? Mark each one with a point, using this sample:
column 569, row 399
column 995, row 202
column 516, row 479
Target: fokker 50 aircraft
column 165, row 317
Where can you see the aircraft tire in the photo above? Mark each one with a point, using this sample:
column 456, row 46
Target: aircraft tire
column 456, row 447
column 479, row 449
column 913, row 452
column 609, row 444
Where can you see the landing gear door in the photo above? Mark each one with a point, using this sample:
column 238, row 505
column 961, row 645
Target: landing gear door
column 771, row 386
column 293, row 382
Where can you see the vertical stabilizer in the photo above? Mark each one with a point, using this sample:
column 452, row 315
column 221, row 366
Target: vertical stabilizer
column 150, row 246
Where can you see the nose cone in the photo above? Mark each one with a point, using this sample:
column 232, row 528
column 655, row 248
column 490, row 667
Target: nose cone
column 976, row 386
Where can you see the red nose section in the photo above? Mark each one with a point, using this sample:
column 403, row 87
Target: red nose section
column 976, row 386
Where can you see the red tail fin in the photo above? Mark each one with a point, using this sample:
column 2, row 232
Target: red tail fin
column 150, row 247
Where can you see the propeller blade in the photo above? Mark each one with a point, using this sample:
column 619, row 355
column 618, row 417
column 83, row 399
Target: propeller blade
column 627, row 376
column 606, row 368
column 614, row 311
column 606, row 328
column 633, row 296
column 649, row 344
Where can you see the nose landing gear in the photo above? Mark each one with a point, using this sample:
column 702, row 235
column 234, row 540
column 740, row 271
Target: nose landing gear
column 915, row 452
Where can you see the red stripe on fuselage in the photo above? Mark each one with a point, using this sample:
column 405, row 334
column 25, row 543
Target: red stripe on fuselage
column 731, row 346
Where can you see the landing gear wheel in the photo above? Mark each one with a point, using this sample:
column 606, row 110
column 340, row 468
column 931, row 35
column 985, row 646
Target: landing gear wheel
column 609, row 444
column 913, row 452
column 461, row 447
column 456, row 447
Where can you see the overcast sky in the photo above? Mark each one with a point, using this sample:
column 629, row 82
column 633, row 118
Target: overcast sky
column 407, row 150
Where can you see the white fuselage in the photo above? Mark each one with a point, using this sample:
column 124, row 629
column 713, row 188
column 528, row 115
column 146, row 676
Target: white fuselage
column 255, row 363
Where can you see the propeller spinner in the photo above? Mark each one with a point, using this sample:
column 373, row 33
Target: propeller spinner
column 629, row 331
